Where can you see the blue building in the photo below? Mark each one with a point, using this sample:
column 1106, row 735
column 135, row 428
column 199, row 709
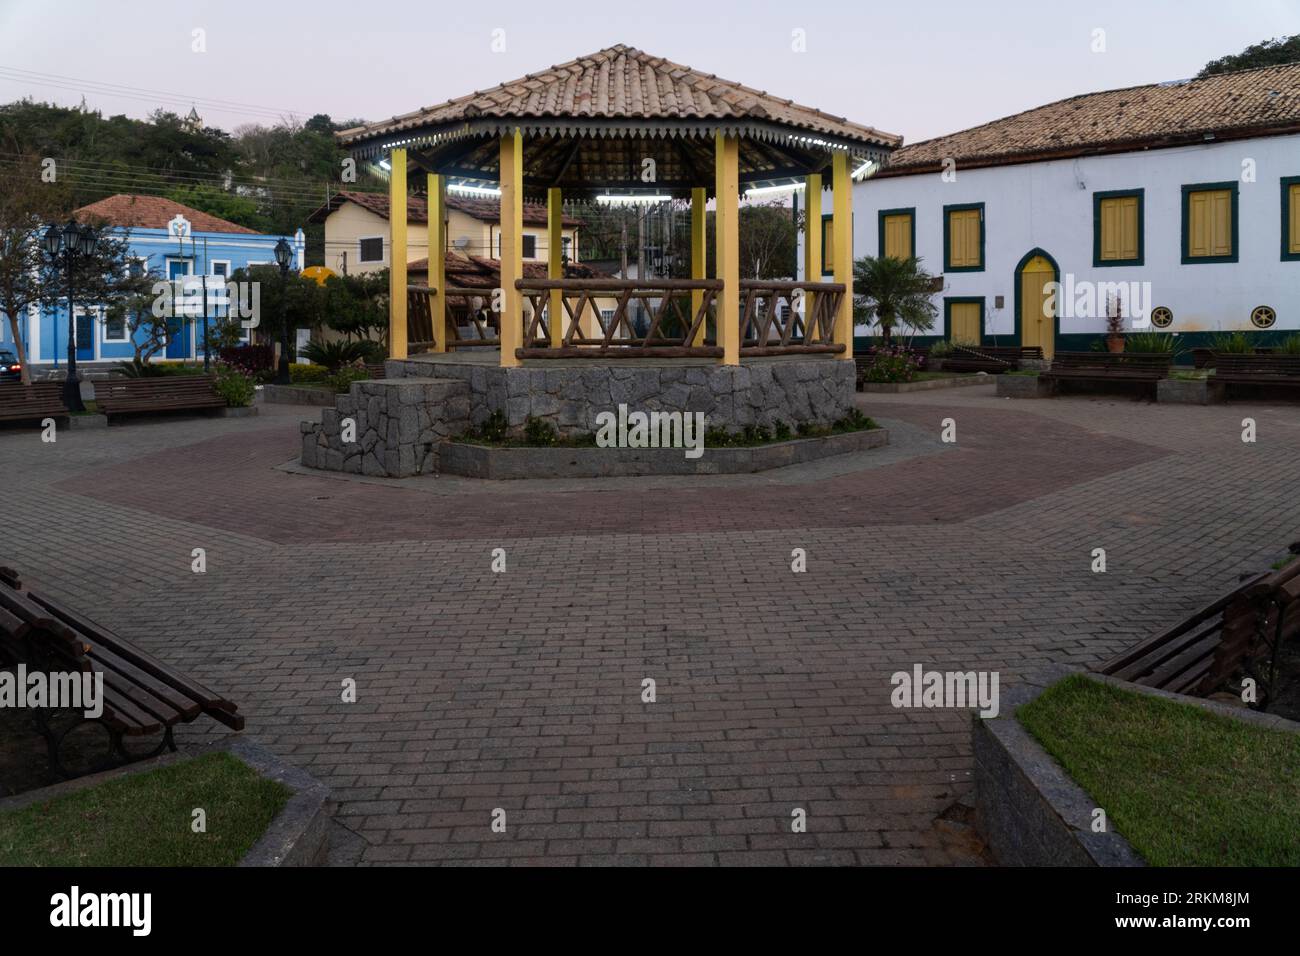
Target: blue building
column 176, row 242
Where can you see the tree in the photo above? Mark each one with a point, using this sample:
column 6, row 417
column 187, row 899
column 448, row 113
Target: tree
column 768, row 240
column 1276, row 52
column 27, row 206
column 356, row 305
column 240, row 210
column 890, row 292
column 287, row 303
column 110, row 278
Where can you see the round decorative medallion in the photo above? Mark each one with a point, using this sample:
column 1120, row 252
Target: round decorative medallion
column 1263, row 317
column 1162, row 317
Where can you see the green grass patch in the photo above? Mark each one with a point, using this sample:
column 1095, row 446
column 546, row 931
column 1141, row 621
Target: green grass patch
column 1184, row 786
column 1281, row 563
column 145, row 819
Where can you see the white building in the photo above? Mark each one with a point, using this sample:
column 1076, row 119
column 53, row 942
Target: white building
column 1182, row 200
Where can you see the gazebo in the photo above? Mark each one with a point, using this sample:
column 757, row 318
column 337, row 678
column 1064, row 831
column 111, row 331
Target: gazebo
column 625, row 126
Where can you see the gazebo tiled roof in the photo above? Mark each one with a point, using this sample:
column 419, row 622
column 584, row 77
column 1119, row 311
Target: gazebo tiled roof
column 622, row 82
column 613, row 102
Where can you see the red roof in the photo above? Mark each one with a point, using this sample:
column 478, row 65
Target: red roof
column 154, row 212
column 417, row 208
column 479, row 271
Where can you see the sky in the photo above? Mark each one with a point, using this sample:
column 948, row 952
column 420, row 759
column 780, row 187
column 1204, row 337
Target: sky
column 919, row 68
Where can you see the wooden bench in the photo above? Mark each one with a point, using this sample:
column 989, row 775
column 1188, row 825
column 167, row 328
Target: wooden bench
column 39, row 400
column 1142, row 368
column 162, row 393
column 375, row 369
column 993, row 359
column 1201, row 654
column 1273, row 370
column 142, row 696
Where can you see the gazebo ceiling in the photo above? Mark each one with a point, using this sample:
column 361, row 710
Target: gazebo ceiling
column 591, row 124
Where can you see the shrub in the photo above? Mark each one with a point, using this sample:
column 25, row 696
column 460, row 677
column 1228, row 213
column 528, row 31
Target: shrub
column 254, row 359
column 1151, row 342
column 493, row 430
column 342, row 380
column 538, row 431
column 302, row 373
column 1289, row 345
column 782, row 431
column 889, row 366
column 1238, row 343
column 234, row 385
column 335, row 355
column 941, row 349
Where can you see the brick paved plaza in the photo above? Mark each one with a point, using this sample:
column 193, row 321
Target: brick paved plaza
column 522, row 690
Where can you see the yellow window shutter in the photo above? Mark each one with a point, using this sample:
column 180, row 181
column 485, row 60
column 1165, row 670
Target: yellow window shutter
column 1295, row 219
column 964, row 238
column 898, row 236
column 1209, row 223
column 1119, row 228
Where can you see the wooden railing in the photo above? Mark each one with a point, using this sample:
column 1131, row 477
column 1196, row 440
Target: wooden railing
column 772, row 317
column 681, row 318
column 676, row 326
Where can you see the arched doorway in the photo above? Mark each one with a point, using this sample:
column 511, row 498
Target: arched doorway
column 1037, row 308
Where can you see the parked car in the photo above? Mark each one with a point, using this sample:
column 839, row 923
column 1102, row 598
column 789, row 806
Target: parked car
column 10, row 370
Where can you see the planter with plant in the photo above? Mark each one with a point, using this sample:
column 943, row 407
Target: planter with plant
column 234, row 384
column 1114, row 326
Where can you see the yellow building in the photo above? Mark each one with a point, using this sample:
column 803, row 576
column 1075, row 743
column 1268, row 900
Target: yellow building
column 357, row 230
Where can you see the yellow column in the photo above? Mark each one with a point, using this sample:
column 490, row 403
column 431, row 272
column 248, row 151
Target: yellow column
column 438, row 260
column 726, row 224
column 397, row 254
column 812, row 243
column 512, row 245
column 555, row 262
column 699, row 266
column 842, row 248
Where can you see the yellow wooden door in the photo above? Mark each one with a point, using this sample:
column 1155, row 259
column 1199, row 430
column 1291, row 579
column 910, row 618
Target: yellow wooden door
column 1037, row 325
column 964, row 318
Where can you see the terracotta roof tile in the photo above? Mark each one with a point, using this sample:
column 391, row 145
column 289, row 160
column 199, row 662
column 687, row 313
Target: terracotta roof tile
column 154, row 212
column 622, row 82
column 1163, row 114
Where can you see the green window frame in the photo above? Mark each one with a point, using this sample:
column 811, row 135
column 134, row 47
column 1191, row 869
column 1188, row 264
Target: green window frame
column 1097, row 200
column 947, row 237
column 910, row 212
column 1288, row 182
column 1188, row 190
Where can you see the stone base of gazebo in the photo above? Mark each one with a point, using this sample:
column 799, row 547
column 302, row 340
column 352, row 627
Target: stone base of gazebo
column 569, row 394
column 393, row 427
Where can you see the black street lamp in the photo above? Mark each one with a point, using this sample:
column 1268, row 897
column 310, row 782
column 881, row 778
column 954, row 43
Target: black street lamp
column 68, row 245
column 283, row 256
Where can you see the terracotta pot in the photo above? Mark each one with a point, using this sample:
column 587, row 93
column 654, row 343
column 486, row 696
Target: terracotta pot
column 1115, row 343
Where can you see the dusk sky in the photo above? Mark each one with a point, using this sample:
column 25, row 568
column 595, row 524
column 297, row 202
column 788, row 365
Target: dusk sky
column 921, row 68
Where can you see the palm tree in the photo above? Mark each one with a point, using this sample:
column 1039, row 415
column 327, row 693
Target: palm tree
column 890, row 291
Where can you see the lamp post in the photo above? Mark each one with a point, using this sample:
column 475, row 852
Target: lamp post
column 69, row 245
column 283, row 256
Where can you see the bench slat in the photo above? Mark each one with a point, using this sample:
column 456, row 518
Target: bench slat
column 216, row 707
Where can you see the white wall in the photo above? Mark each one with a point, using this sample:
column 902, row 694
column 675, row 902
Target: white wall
column 1050, row 205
